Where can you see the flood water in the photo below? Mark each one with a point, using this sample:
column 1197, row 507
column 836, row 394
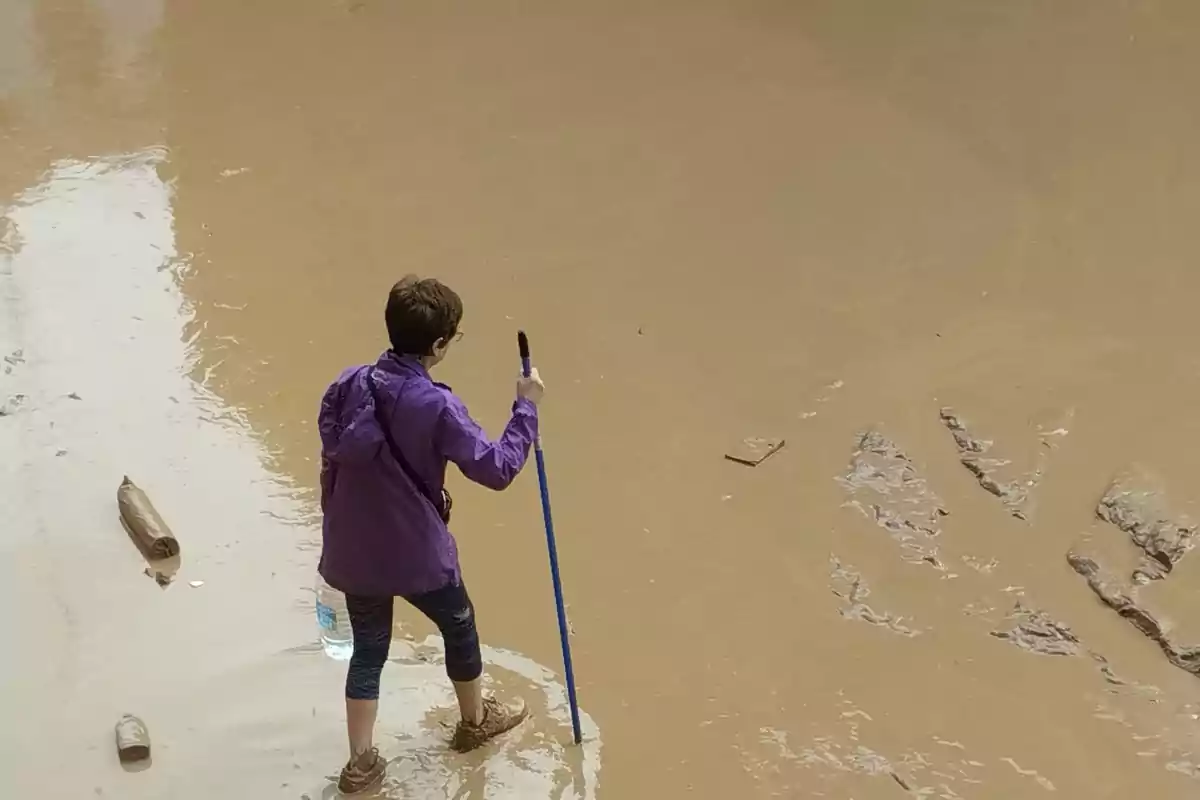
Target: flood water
column 716, row 220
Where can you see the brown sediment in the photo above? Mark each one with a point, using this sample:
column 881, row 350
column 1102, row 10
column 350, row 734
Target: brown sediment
column 849, row 585
column 1107, row 671
column 1015, row 493
column 1136, row 504
column 1037, row 632
column 918, row 773
column 1186, row 657
column 884, row 485
column 980, row 565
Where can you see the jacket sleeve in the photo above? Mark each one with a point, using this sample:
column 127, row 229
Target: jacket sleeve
column 491, row 464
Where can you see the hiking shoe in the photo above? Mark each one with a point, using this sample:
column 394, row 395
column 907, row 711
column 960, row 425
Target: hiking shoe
column 498, row 718
column 363, row 773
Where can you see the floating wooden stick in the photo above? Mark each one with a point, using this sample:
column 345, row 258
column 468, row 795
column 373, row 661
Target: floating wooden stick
column 148, row 529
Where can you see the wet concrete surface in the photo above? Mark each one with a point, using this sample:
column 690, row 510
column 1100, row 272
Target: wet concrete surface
column 811, row 219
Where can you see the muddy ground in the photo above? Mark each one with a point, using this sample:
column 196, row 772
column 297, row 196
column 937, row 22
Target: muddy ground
column 945, row 249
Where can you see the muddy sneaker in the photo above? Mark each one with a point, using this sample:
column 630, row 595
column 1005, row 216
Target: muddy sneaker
column 365, row 772
column 498, row 718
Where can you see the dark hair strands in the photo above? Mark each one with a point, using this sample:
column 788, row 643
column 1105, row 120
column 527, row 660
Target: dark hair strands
column 420, row 313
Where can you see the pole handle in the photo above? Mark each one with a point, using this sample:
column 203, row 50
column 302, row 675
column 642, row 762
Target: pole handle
column 523, row 349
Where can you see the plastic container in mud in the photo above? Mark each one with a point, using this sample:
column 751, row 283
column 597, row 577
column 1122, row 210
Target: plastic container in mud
column 333, row 621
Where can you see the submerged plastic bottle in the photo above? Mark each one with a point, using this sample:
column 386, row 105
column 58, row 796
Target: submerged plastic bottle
column 333, row 621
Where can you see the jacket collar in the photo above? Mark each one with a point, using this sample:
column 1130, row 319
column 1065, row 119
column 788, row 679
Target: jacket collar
column 408, row 366
column 405, row 367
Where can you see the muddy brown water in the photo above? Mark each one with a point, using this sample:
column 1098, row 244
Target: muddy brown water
column 805, row 220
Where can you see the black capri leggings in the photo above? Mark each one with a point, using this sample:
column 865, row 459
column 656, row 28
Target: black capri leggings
column 448, row 608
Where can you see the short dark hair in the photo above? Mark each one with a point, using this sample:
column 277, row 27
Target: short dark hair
column 421, row 312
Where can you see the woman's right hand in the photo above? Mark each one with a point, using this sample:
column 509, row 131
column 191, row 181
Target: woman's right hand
column 531, row 388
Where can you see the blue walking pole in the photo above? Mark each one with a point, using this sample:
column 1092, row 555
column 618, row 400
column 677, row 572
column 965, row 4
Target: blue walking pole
column 526, row 367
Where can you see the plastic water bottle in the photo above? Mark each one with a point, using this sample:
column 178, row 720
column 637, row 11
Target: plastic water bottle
column 333, row 621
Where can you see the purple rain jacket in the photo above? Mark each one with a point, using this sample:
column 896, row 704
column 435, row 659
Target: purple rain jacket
column 381, row 535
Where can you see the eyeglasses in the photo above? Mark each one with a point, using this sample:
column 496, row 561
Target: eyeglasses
column 457, row 336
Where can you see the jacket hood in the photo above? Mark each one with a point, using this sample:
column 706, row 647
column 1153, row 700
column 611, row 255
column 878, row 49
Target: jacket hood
column 347, row 422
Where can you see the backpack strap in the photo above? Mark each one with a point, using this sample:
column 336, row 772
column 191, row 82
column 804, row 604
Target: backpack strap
column 443, row 507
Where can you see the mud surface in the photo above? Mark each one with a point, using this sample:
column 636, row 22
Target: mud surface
column 801, row 220
column 884, row 485
column 1186, row 657
column 853, row 589
column 1037, row 632
column 1014, row 493
column 1136, row 504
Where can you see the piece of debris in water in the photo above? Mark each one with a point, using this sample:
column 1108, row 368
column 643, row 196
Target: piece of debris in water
column 12, row 405
column 144, row 523
column 1126, row 604
column 885, row 486
column 979, row 565
column 849, row 585
column 1136, row 504
column 754, row 450
column 1036, row 632
column 133, row 739
column 161, row 578
column 972, row 452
